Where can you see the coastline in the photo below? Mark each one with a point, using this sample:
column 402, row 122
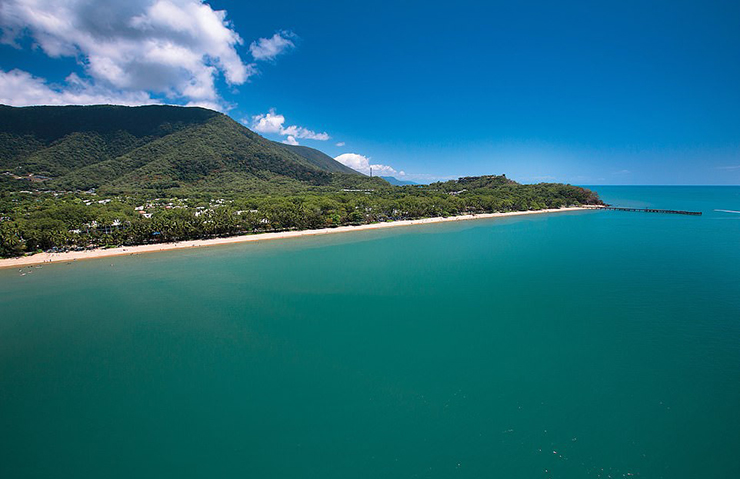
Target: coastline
column 45, row 258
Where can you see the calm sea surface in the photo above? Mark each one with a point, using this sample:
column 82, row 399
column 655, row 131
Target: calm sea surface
column 593, row 344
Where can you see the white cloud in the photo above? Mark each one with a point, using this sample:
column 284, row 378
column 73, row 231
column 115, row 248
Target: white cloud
column 300, row 132
column 269, row 48
column 269, row 122
column 175, row 49
column 341, row 143
column 21, row 88
column 290, row 140
column 362, row 164
column 272, row 123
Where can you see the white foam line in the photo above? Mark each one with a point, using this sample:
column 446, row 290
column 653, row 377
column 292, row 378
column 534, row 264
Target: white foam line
column 729, row 211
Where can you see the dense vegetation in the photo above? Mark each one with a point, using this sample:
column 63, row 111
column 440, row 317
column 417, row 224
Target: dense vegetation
column 42, row 221
column 83, row 177
column 154, row 150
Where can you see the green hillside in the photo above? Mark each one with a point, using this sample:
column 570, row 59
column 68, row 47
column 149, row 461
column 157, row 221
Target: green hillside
column 319, row 159
column 158, row 149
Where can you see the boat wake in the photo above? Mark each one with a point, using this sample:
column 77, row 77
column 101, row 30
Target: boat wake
column 728, row 211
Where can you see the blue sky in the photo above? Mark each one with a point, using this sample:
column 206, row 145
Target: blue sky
column 580, row 92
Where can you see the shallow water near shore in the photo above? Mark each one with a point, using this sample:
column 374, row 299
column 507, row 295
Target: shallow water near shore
column 587, row 344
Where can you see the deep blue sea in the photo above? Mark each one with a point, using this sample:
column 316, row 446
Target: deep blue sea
column 573, row 345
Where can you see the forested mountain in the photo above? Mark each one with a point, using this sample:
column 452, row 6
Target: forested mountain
column 157, row 149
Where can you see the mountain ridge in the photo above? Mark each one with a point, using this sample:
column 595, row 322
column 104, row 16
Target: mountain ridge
column 155, row 148
column 319, row 158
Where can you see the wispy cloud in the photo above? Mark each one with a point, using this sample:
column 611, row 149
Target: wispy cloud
column 341, row 143
column 427, row 178
column 300, row 132
column 272, row 123
column 733, row 167
column 544, row 178
column 269, row 48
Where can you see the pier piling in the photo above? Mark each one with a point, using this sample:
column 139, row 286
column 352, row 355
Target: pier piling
column 652, row 210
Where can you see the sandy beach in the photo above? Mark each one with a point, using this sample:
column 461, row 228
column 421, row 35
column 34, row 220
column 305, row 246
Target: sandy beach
column 42, row 258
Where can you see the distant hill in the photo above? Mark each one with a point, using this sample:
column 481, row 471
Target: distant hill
column 156, row 149
column 319, row 159
column 396, row 182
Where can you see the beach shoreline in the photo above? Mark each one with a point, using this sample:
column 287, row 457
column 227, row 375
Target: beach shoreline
column 46, row 258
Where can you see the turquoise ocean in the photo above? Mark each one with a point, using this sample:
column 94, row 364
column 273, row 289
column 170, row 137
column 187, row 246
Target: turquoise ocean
column 573, row 345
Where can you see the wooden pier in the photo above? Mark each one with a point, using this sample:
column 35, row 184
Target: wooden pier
column 651, row 210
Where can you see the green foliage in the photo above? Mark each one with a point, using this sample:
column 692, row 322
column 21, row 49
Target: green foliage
column 160, row 150
column 31, row 222
column 319, row 159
